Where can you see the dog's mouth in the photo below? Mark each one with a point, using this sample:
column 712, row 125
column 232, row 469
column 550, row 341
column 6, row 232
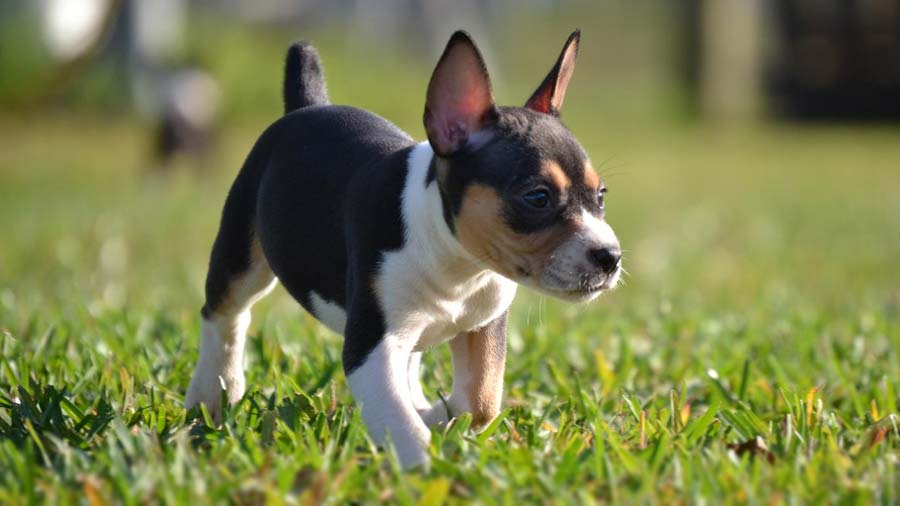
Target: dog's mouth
column 585, row 293
column 582, row 290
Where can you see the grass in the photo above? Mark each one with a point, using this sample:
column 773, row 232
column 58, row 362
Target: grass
column 753, row 356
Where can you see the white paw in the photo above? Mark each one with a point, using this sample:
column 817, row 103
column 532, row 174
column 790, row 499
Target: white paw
column 436, row 415
column 442, row 411
column 219, row 367
column 206, row 388
column 412, row 449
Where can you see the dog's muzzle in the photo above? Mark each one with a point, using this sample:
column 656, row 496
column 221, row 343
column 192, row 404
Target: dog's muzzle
column 583, row 266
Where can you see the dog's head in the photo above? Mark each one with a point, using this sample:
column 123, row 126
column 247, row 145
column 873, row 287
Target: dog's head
column 519, row 191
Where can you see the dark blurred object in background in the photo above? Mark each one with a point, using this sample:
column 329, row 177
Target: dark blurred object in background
column 737, row 59
column 176, row 95
column 142, row 44
column 835, row 59
column 186, row 120
column 806, row 59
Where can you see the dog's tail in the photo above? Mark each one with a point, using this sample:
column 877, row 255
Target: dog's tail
column 304, row 80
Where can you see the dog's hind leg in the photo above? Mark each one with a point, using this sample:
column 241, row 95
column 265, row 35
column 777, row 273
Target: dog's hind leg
column 239, row 275
column 226, row 317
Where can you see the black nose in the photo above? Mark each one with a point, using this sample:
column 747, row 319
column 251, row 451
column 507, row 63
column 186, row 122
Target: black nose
column 607, row 259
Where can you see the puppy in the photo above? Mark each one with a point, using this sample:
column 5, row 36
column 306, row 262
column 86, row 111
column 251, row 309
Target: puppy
column 402, row 246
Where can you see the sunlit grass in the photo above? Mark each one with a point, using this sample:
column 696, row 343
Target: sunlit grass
column 752, row 356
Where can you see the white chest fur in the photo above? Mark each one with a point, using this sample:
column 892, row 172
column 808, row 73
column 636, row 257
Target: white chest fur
column 432, row 289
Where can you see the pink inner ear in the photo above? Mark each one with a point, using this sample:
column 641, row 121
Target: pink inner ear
column 540, row 101
column 450, row 124
column 550, row 94
column 459, row 97
column 456, row 133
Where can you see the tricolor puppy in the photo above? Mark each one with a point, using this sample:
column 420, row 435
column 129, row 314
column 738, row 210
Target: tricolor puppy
column 402, row 246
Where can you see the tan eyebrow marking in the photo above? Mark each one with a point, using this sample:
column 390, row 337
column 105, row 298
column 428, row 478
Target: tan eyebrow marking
column 555, row 174
column 591, row 179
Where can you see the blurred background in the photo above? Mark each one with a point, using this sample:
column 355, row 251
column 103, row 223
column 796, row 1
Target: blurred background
column 751, row 148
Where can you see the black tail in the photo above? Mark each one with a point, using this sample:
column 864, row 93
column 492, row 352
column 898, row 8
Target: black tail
column 304, row 81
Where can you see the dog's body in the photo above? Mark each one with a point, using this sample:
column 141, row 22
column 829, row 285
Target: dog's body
column 402, row 246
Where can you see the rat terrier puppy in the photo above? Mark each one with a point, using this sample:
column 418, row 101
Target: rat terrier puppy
column 402, row 246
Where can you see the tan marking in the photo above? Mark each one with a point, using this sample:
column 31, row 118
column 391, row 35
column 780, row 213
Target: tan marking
column 555, row 174
column 481, row 229
column 591, row 179
column 484, row 353
column 244, row 289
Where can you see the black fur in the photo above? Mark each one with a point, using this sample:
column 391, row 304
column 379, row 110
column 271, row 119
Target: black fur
column 304, row 195
column 320, row 182
column 321, row 191
column 523, row 139
column 304, row 81
column 374, row 226
column 231, row 251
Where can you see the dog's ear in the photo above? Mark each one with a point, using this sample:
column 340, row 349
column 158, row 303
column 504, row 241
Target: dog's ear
column 549, row 96
column 459, row 100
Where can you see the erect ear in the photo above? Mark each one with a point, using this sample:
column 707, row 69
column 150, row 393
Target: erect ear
column 459, row 100
column 549, row 96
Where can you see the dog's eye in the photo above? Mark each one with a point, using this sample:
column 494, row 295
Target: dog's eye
column 601, row 199
column 537, row 198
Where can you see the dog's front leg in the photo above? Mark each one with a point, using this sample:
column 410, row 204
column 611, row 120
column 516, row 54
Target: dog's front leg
column 380, row 384
column 479, row 360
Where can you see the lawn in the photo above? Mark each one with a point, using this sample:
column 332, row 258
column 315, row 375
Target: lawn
column 752, row 355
